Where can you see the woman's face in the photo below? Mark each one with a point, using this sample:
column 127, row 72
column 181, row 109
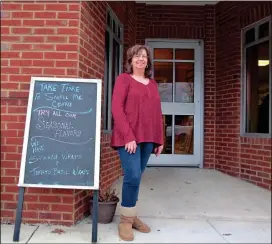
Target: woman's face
column 139, row 60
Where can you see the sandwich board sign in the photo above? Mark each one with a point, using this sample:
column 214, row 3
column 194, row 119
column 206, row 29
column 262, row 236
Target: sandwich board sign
column 61, row 147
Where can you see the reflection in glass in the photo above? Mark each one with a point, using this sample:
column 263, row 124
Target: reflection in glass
column 257, row 96
column 163, row 53
column 163, row 74
column 264, row 30
column 250, row 36
column 167, row 121
column 184, row 87
column 184, row 54
column 184, row 134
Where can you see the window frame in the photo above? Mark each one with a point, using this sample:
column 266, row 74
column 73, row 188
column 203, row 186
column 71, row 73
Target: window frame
column 107, row 122
column 243, row 114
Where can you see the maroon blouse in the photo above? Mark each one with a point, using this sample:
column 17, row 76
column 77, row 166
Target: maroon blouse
column 136, row 110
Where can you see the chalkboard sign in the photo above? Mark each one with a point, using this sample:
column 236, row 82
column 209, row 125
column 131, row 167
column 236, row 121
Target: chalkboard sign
column 62, row 134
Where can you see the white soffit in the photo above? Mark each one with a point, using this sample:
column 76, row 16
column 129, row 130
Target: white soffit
column 158, row 2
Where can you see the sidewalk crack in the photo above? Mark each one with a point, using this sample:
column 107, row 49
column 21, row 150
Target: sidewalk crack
column 32, row 234
column 217, row 231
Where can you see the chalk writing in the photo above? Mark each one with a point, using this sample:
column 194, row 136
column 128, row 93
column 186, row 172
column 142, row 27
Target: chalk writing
column 85, row 112
column 61, row 136
column 37, row 171
column 36, row 146
column 71, row 143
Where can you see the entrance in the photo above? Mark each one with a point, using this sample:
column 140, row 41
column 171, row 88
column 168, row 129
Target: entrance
column 178, row 70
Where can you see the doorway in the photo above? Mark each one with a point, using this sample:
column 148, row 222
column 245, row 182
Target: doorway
column 178, row 69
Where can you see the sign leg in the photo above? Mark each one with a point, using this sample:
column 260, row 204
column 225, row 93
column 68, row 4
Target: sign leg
column 95, row 216
column 18, row 219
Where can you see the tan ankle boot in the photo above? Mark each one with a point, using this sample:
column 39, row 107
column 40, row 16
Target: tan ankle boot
column 126, row 221
column 140, row 225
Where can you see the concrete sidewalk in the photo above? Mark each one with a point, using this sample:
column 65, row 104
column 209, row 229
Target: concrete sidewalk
column 164, row 230
column 181, row 206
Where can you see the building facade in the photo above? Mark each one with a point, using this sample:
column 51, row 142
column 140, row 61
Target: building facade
column 212, row 62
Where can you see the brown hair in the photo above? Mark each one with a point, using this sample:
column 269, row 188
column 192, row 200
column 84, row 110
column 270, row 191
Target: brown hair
column 135, row 50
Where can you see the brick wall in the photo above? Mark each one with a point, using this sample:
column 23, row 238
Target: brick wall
column 186, row 22
column 247, row 158
column 37, row 39
column 47, row 39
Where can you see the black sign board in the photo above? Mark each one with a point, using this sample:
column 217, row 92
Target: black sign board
column 62, row 134
column 62, row 139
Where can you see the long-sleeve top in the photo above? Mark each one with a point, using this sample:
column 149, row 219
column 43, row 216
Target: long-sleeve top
column 136, row 110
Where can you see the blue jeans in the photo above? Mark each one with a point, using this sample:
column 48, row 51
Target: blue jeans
column 133, row 166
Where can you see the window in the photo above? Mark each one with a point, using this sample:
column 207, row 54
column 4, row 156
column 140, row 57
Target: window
column 256, row 73
column 113, row 63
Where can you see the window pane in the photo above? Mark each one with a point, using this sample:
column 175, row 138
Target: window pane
column 167, row 121
column 184, row 134
column 257, row 81
column 163, row 74
column 115, row 63
column 264, row 30
column 119, row 32
column 163, row 53
column 250, row 36
column 184, row 54
column 184, row 86
column 108, row 19
column 113, row 26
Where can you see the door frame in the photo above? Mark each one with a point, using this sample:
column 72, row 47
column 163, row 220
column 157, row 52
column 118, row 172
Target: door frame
column 200, row 163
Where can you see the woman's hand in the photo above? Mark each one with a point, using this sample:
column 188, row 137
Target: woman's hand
column 131, row 147
column 158, row 150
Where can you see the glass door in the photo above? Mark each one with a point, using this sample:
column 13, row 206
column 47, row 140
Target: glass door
column 177, row 68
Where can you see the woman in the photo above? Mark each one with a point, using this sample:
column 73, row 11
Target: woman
column 137, row 131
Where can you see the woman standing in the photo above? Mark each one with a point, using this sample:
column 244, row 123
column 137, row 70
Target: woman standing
column 137, row 131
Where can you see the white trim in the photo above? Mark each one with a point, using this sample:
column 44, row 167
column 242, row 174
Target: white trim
column 97, row 136
column 196, row 159
column 188, row 3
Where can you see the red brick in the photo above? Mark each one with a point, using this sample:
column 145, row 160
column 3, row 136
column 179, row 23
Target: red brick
column 11, row 6
column 11, row 22
column 35, row 22
column 68, row 31
column 32, row 55
column 30, row 214
column 62, row 208
column 21, row 30
column 56, row 23
column 10, row 38
column 10, row 205
column 51, row 199
column 45, row 15
column 49, row 47
column 22, row 15
column 21, row 46
column 56, row 7
column 56, row 39
column 54, row 71
column 7, row 196
column 50, row 215
column 35, row 6
column 7, row 213
column 38, row 206
column 68, row 15
column 68, row 47
column 38, row 39
column 44, row 31
column 43, row 63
